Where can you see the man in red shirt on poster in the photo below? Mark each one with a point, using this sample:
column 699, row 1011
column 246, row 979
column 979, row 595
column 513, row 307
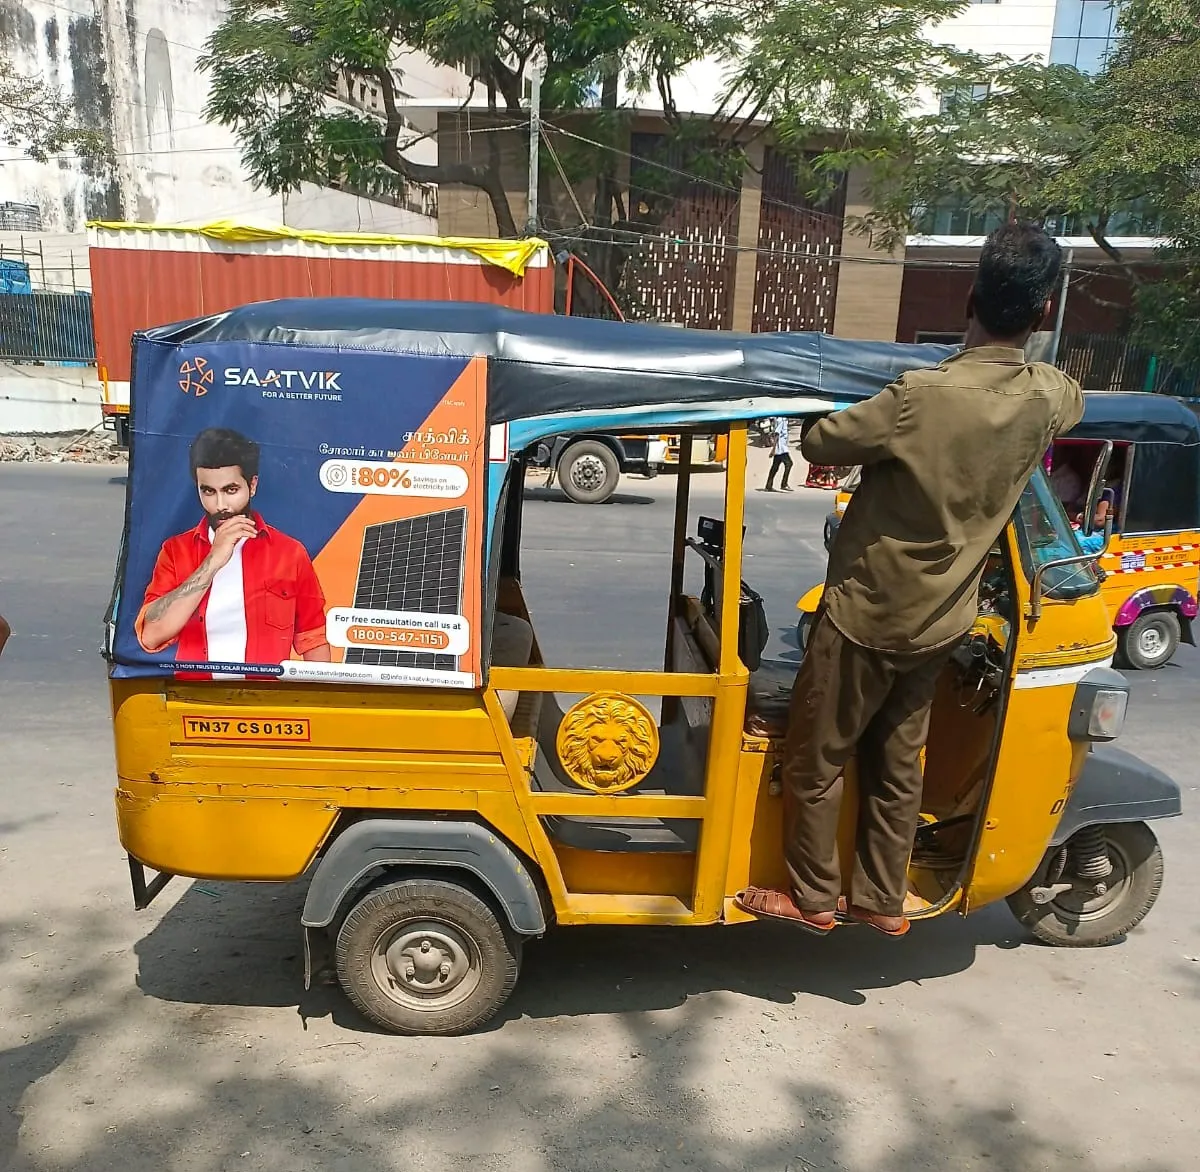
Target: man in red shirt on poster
column 234, row 589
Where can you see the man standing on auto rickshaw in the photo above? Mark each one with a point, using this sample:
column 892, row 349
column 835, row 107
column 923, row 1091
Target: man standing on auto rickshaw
column 945, row 455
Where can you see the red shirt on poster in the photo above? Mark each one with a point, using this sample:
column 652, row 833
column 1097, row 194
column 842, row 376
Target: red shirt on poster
column 284, row 604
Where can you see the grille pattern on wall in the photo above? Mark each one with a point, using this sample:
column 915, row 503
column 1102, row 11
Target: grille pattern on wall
column 412, row 565
column 683, row 273
column 795, row 284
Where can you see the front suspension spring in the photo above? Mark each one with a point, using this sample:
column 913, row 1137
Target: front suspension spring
column 1089, row 854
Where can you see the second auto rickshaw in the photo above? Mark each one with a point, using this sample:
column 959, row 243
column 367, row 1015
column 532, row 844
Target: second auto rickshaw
column 447, row 793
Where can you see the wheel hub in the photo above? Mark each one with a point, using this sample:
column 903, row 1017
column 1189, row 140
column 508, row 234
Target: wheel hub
column 1151, row 642
column 426, row 964
column 587, row 473
column 1089, row 898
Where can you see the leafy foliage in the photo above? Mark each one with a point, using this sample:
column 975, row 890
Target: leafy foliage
column 35, row 118
column 273, row 65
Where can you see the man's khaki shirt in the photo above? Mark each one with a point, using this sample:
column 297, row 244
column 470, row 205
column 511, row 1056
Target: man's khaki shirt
column 945, row 455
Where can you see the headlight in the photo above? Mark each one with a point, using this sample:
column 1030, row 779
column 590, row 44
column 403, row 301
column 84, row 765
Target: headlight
column 1108, row 714
column 1098, row 712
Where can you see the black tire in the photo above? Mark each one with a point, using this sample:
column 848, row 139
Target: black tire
column 803, row 623
column 588, row 472
column 1150, row 640
column 1078, row 919
column 449, row 925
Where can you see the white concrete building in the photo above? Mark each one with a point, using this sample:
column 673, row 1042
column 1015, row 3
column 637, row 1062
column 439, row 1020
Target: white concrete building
column 131, row 66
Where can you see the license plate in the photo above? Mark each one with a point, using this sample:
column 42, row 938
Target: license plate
column 245, row 728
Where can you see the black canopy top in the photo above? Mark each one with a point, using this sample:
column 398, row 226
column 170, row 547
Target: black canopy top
column 1138, row 417
column 544, row 363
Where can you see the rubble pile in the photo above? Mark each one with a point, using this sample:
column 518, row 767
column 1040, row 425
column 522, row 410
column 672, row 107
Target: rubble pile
column 90, row 447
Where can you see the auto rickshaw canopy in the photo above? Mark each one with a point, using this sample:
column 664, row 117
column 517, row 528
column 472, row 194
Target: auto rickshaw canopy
column 584, row 373
column 1163, row 436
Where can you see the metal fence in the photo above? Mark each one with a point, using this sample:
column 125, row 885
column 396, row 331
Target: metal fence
column 47, row 327
column 1109, row 362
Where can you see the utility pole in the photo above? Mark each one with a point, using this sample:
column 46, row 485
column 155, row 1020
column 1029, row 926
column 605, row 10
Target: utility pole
column 535, row 138
column 1062, row 306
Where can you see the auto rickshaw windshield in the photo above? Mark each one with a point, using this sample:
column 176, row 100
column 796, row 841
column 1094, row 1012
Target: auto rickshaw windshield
column 1045, row 535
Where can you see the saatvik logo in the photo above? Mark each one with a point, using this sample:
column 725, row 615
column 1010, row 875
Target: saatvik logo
column 195, row 376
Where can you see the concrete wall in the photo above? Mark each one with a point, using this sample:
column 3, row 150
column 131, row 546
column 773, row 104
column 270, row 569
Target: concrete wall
column 48, row 399
column 869, row 279
column 131, row 66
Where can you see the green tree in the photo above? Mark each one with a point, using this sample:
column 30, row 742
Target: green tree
column 36, row 119
column 273, row 65
column 1115, row 154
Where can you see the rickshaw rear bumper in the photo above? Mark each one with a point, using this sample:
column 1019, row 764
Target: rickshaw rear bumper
column 1116, row 786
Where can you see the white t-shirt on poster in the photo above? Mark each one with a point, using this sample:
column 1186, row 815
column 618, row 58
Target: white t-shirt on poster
column 225, row 615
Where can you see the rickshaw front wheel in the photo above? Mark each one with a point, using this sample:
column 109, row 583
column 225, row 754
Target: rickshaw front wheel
column 802, row 632
column 1085, row 909
column 426, row 956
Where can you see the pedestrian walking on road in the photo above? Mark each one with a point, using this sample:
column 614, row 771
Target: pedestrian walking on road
column 780, row 457
column 5, row 631
column 945, row 456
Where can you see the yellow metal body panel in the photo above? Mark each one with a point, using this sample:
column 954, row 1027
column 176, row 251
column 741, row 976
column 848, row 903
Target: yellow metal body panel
column 1157, row 559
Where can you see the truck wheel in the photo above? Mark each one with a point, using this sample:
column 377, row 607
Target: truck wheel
column 424, row 956
column 588, row 472
column 1091, row 914
column 1150, row 640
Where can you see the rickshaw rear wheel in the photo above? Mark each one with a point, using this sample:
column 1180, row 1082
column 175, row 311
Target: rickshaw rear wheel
column 426, row 956
column 1150, row 640
column 1097, row 912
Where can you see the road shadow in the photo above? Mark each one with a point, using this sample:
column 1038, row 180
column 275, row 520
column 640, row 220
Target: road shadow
column 241, row 944
column 121, row 481
column 558, row 497
column 112, row 1081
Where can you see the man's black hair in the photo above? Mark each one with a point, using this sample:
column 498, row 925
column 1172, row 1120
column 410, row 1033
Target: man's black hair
column 219, row 447
column 1019, row 269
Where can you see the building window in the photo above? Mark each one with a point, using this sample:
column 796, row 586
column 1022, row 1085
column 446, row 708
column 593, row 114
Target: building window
column 985, row 1
column 955, row 217
column 951, row 100
column 1084, row 33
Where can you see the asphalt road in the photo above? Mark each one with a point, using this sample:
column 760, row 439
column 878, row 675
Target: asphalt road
column 180, row 1040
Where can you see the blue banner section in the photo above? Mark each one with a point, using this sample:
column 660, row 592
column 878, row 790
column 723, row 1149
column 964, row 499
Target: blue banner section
column 302, row 406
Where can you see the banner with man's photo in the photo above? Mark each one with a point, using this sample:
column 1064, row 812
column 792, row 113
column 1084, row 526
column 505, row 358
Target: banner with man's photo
column 302, row 513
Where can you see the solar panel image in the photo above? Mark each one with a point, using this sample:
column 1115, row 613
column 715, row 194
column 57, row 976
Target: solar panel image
column 412, row 565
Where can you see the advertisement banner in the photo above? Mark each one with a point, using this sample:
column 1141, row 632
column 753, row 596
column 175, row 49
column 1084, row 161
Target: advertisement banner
column 303, row 513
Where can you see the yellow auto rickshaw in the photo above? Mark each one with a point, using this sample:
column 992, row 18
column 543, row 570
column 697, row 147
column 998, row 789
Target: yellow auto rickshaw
column 446, row 793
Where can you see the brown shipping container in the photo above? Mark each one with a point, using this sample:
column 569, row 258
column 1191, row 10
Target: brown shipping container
column 174, row 275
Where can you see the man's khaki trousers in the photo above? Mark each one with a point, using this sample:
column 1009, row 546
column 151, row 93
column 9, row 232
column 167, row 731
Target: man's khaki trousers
column 850, row 701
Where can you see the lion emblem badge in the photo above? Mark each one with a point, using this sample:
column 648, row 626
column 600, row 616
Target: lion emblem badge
column 607, row 742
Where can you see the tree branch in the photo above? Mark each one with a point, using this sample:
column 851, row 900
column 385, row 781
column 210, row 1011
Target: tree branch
column 486, row 179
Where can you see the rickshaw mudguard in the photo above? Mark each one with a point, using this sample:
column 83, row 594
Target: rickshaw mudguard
column 380, row 843
column 1161, row 596
column 812, row 599
column 1116, row 786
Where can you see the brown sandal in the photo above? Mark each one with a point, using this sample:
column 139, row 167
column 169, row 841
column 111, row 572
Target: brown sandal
column 768, row 904
column 860, row 915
